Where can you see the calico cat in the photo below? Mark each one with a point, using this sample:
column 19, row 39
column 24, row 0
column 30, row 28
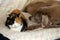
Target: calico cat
column 19, row 24
column 16, row 21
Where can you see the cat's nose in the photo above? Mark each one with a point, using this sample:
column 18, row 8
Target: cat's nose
column 30, row 18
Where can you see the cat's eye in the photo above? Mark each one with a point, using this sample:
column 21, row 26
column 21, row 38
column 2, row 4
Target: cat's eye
column 17, row 15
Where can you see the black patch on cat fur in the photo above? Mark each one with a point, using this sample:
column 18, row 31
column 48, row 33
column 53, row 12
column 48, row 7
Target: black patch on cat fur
column 24, row 28
column 9, row 21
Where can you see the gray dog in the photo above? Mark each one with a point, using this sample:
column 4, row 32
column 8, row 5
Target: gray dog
column 44, row 14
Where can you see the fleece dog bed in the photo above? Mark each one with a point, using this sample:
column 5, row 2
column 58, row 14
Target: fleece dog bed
column 37, row 34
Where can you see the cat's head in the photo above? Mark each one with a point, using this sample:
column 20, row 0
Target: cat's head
column 17, row 25
column 15, row 13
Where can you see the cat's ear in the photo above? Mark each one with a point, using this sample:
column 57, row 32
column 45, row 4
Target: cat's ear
column 10, row 15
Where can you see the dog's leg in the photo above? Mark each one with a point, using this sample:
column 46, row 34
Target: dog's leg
column 45, row 21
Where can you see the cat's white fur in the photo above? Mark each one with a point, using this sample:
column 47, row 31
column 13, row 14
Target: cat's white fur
column 16, row 26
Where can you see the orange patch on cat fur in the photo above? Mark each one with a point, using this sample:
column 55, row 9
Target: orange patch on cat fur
column 18, row 20
column 16, row 11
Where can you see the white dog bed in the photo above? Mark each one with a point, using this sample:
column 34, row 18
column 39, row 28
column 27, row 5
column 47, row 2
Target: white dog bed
column 37, row 34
